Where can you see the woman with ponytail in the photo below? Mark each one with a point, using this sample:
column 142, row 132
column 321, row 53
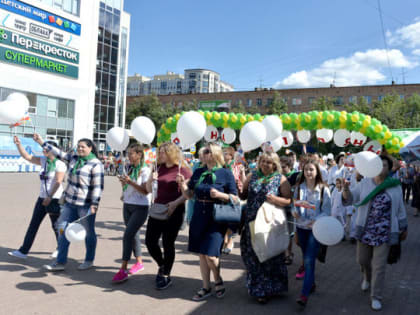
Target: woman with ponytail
column 135, row 209
column 85, row 184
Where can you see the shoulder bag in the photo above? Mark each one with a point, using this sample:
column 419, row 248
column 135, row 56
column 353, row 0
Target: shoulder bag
column 227, row 213
column 159, row 211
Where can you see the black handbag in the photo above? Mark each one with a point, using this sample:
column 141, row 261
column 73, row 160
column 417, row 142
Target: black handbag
column 53, row 207
column 227, row 213
column 394, row 253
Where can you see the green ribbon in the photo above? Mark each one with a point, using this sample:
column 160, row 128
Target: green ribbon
column 208, row 172
column 387, row 183
column 262, row 178
column 81, row 161
column 290, row 173
column 134, row 174
column 51, row 165
column 230, row 165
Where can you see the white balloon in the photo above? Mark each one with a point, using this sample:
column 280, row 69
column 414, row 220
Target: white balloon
column 191, row 127
column 228, row 135
column 175, row 139
column 19, row 98
column 324, row 135
column 373, row 146
column 273, row 146
column 11, row 111
column 357, row 139
column 342, row 138
column 117, row 138
column 252, row 135
column 212, row 134
column 328, row 230
column 75, row 232
column 143, row 129
column 303, row 136
column 273, row 127
column 368, row 164
column 287, row 139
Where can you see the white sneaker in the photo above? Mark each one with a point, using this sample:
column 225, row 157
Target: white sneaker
column 54, row 254
column 365, row 285
column 18, row 254
column 54, row 267
column 376, row 305
column 85, row 265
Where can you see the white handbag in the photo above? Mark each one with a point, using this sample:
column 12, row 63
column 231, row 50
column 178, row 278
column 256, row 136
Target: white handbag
column 269, row 232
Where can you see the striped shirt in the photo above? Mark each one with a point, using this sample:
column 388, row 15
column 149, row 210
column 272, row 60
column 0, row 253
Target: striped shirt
column 86, row 186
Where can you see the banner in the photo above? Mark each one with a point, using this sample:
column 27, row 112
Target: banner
column 212, row 105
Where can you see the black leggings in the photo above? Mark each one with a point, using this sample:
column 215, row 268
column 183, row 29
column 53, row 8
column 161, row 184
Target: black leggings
column 168, row 229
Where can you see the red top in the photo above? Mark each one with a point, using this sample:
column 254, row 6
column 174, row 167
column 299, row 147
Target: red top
column 167, row 186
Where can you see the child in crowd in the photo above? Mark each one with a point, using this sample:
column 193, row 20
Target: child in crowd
column 338, row 211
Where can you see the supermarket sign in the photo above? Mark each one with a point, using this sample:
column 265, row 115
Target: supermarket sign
column 40, row 15
column 35, row 62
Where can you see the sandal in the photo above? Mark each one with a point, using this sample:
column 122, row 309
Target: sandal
column 202, row 294
column 220, row 292
column 289, row 259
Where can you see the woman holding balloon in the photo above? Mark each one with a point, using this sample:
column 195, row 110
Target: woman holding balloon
column 82, row 196
column 311, row 201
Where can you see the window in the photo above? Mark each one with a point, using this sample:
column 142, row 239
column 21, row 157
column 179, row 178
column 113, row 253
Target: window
column 192, row 75
column 339, row 100
column 380, row 97
column 353, row 99
column 206, row 84
column 368, row 99
column 249, row 102
column 62, row 108
column 296, row 101
column 269, row 101
column 401, row 96
column 52, row 107
column 259, row 101
column 164, row 85
column 311, row 100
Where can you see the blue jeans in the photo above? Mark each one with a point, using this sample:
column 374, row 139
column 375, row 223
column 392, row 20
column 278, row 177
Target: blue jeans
column 37, row 217
column 70, row 213
column 310, row 248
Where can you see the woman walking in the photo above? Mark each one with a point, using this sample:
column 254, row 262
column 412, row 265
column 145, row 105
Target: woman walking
column 269, row 278
column 311, row 201
column 170, row 164
column 85, row 184
column 209, row 185
column 135, row 210
column 51, row 176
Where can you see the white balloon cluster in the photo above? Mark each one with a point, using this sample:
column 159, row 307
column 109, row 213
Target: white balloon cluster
column 13, row 108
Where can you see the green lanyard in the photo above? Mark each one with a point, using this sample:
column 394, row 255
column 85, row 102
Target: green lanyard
column 264, row 179
column 290, row 173
column 81, row 161
column 50, row 165
column 134, row 175
column 208, row 172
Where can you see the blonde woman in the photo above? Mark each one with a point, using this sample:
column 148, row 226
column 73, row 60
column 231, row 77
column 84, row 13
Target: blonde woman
column 208, row 185
column 170, row 164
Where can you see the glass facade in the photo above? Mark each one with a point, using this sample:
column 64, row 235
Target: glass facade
column 68, row 6
column 51, row 117
column 106, row 103
column 122, row 75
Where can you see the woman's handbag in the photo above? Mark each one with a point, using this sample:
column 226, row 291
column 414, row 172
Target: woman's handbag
column 53, row 208
column 227, row 213
column 269, row 232
column 394, row 253
column 159, row 211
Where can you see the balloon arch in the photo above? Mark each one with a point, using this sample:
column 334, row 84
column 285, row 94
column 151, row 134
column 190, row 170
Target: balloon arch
column 352, row 128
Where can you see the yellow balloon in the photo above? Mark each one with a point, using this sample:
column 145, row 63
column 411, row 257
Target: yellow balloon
column 319, row 126
column 378, row 128
column 243, row 120
column 402, row 145
column 225, row 124
column 177, row 117
column 382, row 141
column 234, row 119
column 342, row 125
column 354, row 118
column 362, row 130
column 388, row 135
column 225, row 117
column 251, row 118
column 319, row 117
column 366, row 123
column 216, row 116
column 169, row 120
column 308, row 119
column 287, row 120
column 208, row 115
column 395, row 141
column 330, row 118
column 343, row 118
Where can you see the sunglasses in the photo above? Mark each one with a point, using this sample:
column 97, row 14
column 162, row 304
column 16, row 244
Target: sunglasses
column 206, row 151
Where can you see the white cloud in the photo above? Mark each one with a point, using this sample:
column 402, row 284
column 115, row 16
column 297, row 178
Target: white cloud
column 360, row 68
column 408, row 36
column 416, row 52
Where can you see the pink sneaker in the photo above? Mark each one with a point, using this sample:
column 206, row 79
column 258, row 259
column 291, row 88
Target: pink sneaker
column 136, row 268
column 120, row 276
column 301, row 273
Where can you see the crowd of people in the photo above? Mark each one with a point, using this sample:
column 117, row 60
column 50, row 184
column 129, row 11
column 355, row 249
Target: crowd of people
column 172, row 191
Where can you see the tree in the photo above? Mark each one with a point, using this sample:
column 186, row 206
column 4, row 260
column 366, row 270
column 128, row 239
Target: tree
column 324, row 103
column 278, row 106
column 238, row 108
column 360, row 106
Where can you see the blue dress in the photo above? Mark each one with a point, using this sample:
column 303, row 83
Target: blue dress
column 270, row 277
column 206, row 236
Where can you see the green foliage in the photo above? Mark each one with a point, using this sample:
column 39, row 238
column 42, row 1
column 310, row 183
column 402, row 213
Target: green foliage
column 323, row 103
column 278, row 106
column 238, row 108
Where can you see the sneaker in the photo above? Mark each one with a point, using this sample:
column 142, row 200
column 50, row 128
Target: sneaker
column 18, row 254
column 85, row 265
column 54, row 254
column 136, row 268
column 120, row 276
column 163, row 282
column 365, row 285
column 302, row 301
column 54, row 267
column 376, row 305
column 301, row 273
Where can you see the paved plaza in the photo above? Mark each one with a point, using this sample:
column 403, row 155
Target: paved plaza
column 27, row 289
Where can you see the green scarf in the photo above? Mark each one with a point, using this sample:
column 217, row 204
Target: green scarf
column 290, row 173
column 387, row 183
column 134, row 175
column 208, row 172
column 264, row 179
column 81, row 161
column 50, row 165
column 230, row 164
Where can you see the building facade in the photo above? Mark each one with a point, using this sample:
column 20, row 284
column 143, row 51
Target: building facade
column 298, row 100
column 75, row 79
column 191, row 82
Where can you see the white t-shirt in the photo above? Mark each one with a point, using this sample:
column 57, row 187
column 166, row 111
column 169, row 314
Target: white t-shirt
column 133, row 196
column 48, row 179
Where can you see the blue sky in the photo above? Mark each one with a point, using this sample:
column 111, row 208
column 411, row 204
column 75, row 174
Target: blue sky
column 274, row 43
